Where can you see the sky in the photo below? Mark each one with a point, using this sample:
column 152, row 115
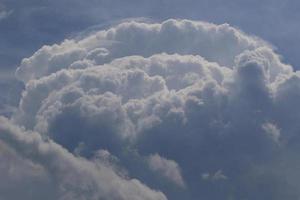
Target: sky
column 150, row 100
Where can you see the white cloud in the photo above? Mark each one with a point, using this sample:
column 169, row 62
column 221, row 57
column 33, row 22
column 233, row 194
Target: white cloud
column 167, row 168
column 216, row 43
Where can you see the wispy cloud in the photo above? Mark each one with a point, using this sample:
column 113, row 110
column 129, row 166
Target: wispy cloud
column 5, row 13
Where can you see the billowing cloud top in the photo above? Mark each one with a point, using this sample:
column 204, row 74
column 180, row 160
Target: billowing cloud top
column 215, row 43
column 173, row 110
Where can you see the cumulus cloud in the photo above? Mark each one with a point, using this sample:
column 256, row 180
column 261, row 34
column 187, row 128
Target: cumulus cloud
column 179, row 98
column 215, row 43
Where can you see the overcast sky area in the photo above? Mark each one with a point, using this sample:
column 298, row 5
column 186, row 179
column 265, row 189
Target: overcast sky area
column 149, row 100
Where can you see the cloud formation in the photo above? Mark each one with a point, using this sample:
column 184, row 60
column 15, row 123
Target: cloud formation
column 174, row 102
column 168, row 168
column 54, row 173
column 215, row 43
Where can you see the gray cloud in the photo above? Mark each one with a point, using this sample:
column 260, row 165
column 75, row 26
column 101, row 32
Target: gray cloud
column 54, row 173
column 168, row 168
column 34, row 23
column 4, row 14
column 217, row 176
column 187, row 97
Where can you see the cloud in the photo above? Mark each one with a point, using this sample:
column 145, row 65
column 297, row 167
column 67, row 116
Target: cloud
column 214, row 177
column 4, row 14
column 55, row 173
column 179, row 98
column 215, row 43
column 168, row 168
column 272, row 131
